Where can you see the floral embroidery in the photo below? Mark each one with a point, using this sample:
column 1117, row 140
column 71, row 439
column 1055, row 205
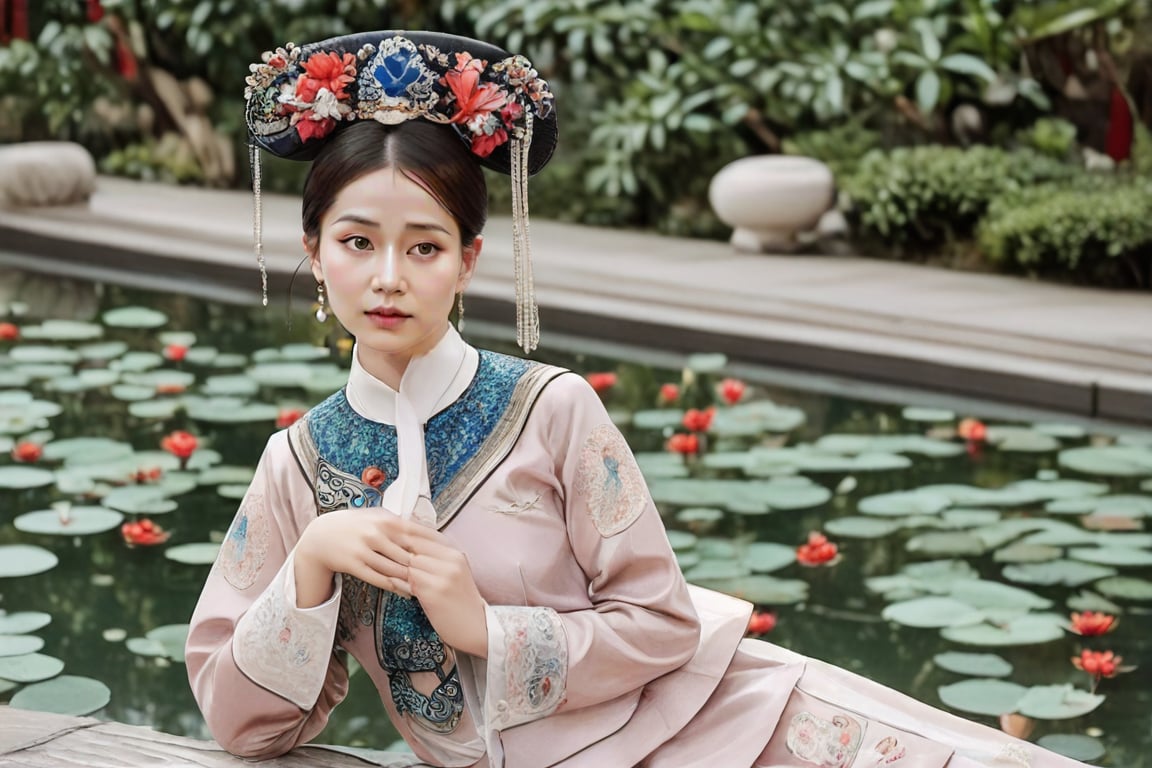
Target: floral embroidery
column 339, row 490
column 311, row 91
column 536, row 661
column 826, row 743
column 609, row 481
column 281, row 648
column 246, row 545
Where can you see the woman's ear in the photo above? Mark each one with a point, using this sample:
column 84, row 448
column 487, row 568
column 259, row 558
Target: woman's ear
column 469, row 256
column 312, row 251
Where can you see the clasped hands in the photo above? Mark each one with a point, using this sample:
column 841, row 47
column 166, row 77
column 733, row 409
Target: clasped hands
column 400, row 556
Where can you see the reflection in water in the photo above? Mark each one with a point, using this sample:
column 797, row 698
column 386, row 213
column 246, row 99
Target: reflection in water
column 101, row 585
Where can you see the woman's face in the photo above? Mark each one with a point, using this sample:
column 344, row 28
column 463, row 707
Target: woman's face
column 391, row 261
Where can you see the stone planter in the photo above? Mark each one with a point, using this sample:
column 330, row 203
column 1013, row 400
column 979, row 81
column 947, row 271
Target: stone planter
column 769, row 199
column 45, row 173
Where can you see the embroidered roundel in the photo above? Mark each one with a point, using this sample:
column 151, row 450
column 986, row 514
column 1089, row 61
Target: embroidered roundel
column 609, row 481
column 246, row 545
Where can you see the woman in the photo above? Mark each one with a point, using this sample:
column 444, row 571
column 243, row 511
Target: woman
column 471, row 527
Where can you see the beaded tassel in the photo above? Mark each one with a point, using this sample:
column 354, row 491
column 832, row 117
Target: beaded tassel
column 258, row 220
column 527, row 313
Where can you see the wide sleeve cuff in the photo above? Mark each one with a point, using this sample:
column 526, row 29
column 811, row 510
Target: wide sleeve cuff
column 527, row 665
column 283, row 648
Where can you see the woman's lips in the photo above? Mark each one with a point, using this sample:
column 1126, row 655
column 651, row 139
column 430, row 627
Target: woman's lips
column 386, row 318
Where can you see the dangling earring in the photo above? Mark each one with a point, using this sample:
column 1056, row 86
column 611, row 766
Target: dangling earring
column 321, row 315
column 460, row 312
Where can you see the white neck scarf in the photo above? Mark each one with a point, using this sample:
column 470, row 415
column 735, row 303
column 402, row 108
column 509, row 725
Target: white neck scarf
column 430, row 383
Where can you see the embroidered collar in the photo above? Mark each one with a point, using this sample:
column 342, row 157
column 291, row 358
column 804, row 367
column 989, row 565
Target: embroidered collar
column 444, row 374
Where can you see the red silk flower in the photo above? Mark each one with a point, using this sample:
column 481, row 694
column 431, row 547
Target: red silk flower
column 472, row 97
column 326, row 70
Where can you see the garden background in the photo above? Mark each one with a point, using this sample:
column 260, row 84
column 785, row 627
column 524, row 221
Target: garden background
column 980, row 134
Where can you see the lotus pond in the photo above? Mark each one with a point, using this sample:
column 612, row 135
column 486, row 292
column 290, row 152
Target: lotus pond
column 958, row 543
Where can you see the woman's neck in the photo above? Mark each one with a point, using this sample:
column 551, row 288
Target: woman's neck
column 390, row 367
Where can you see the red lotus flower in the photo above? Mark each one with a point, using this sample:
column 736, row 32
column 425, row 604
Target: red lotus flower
column 9, row 332
column 175, row 352
column 27, row 453
column 684, row 444
column 669, row 394
column 602, row 382
column 143, row 533
column 1098, row 663
column 180, row 444
column 170, row 389
column 818, row 550
column 761, row 623
column 287, row 417
column 732, row 390
column 972, row 430
column 698, row 421
column 472, row 98
column 1091, row 623
column 326, row 70
column 373, row 476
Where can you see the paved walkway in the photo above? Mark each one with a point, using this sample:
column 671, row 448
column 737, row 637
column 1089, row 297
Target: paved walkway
column 1079, row 350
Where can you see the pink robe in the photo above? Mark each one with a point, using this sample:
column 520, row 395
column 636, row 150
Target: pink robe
column 599, row 653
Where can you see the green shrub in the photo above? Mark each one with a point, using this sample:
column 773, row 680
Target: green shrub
column 1050, row 136
column 923, row 195
column 1096, row 228
column 840, row 148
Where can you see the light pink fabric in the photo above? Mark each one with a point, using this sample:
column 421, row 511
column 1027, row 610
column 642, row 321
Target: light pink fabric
column 569, row 551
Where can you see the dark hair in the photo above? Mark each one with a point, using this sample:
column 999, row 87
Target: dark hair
column 431, row 155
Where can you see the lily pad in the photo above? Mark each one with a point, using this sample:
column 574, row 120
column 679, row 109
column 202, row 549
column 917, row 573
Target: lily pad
column 945, row 544
column 225, row 474
column 1073, row 745
column 101, row 448
column 25, row 560
column 32, row 353
column 30, row 667
column 1057, row 702
column 973, row 664
column 235, row 492
column 861, row 527
column 134, row 317
column 23, row 621
column 1027, row 553
column 932, row 613
column 22, row 478
column 1021, row 439
column 709, row 570
column 757, row 417
column 140, row 500
column 1088, row 600
column 77, row 521
column 914, row 444
column 83, row 381
column 20, row 645
column 968, row 517
column 1029, row 629
column 653, row 465
column 229, row 410
column 658, row 419
column 166, row 641
column 178, row 338
column 983, row 696
column 763, row 590
column 765, row 557
column 1126, row 588
column 690, row 515
column 156, row 409
column 1118, row 556
column 991, row 594
column 132, row 393
column 62, row 330
column 904, row 503
column 1066, row 572
column 928, row 415
column 104, row 351
column 1109, row 460
column 681, row 540
column 1118, row 505
column 199, row 553
column 136, row 362
column 66, row 695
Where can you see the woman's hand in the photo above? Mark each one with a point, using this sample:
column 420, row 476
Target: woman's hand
column 362, row 542
column 440, row 578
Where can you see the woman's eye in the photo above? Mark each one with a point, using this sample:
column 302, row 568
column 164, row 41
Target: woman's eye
column 426, row 249
column 359, row 243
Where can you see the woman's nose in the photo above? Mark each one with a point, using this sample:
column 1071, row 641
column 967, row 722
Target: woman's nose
column 387, row 276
